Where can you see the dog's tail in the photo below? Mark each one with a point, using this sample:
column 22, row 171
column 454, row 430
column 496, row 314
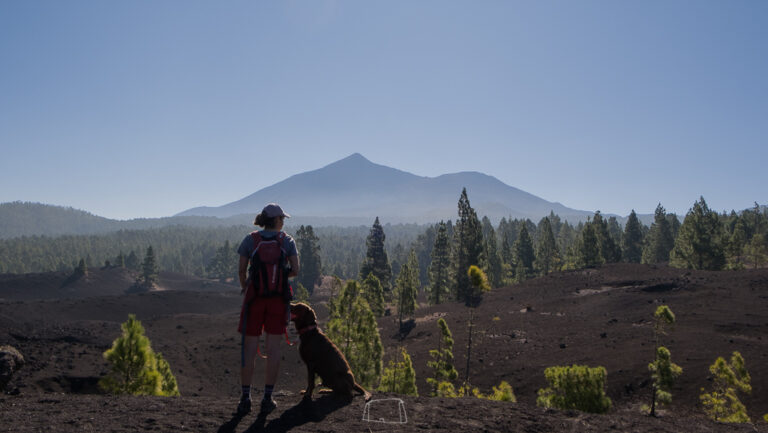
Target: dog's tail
column 362, row 391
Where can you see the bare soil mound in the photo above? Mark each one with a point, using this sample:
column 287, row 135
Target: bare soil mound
column 596, row 317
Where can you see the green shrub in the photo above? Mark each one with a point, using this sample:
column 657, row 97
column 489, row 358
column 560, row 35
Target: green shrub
column 446, row 389
column 300, row 294
column 575, row 387
column 723, row 404
column 136, row 369
column 503, row 392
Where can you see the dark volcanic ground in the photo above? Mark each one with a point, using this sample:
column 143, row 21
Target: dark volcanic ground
column 596, row 317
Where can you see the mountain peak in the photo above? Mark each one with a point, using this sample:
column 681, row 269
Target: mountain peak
column 355, row 158
column 354, row 162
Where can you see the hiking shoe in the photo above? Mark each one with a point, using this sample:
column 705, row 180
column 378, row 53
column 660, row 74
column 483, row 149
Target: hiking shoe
column 244, row 406
column 268, row 405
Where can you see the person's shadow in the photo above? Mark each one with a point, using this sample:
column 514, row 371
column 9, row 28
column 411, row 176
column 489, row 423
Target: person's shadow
column 300, row 414
column 231, row 425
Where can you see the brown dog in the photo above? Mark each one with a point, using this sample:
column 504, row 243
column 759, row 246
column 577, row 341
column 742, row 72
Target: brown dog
column 322, row 357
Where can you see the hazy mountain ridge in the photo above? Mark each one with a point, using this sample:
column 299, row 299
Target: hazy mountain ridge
column 357, row 187
column 349, row 192
column 36, row 219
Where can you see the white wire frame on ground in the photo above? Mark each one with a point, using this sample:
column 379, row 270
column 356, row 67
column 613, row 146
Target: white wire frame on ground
column 403, row 418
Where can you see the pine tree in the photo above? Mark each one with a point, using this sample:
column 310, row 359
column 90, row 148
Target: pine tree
column 132, row 262
column 469, row 248
column 566, row 238
column 376, row 259
column 663, row 370
column 723, row 403
column 480, row 285
column 736, row 244
column 699, row 243
column 135, row 367
column 442, row 358
column 309, row 250
column 81, row 270
column 149, row 269
column 674, row 225
column 224, row 264
column 353, row 328
column 120, row 260
column 524, row 255
column 589, row 248
column 659, row 239
column 507, row 258
column 547, row 254
column 397, row 257
column 493, row 266
column 399, row 377
column 757, row 250
column 423, row 246
column 633, row 239
column 407, row 287
column 373, row 294
column 609, row 248
column 439, row 267
column 614, row 229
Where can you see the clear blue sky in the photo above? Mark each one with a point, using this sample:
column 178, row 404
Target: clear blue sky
column 147, row 108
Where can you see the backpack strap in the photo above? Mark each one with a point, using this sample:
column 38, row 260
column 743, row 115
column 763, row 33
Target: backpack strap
column 259, row 290
column 256, row 236
column 286, row 287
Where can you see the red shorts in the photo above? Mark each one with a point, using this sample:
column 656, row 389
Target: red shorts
column 267, row 313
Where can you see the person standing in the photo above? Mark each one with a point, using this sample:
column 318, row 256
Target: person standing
column 261, row 311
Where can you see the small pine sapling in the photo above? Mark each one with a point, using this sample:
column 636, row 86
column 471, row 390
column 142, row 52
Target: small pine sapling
column 399, row 377
column 480, row 285
column 136, row 369
column 663, row 370
column 352, row 327
column 81, row 270
column 442, row 359
column 169, row 386
column 723, row 404
column 663, row 373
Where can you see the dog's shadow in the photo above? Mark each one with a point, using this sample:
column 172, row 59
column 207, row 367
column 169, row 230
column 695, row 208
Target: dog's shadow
column 303, row 412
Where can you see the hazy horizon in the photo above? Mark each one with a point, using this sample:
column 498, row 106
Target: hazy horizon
column 146, row 109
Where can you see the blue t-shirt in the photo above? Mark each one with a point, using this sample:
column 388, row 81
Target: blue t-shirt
column 246, row 246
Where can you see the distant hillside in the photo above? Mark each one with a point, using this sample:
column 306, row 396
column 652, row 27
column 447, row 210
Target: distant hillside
column 355, row 187
column 36, row 219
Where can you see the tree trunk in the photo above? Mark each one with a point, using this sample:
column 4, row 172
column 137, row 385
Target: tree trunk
column 469, row 347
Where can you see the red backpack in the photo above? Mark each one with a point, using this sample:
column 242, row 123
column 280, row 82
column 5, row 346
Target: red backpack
column 268, row 270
